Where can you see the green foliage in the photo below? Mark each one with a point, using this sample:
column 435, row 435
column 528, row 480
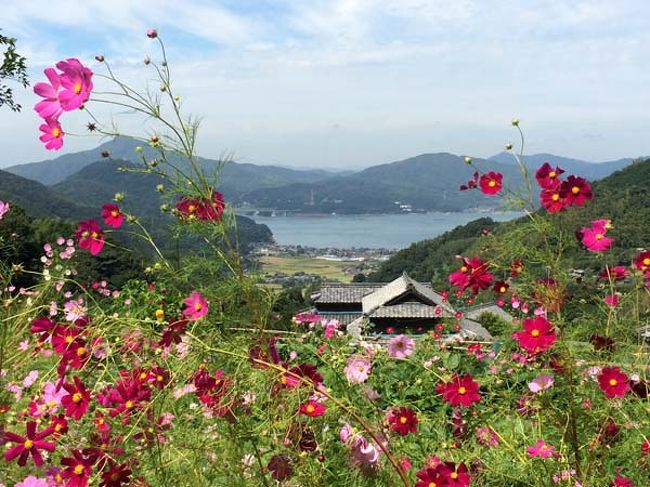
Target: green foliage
column 13, row 68
column 621, row 197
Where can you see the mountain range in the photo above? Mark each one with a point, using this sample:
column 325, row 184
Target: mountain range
column 428, row 182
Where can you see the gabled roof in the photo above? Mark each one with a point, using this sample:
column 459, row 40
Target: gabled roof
column 407, row 310
column 400, row 287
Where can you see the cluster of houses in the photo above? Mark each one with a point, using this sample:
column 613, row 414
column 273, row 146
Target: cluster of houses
column 403, row 305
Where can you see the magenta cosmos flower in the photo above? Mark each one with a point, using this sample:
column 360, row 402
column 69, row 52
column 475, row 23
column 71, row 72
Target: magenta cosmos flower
column 462, row 390
column 196, row 306
column 90, row 236
column 491, row 183
column 401, row 347
column 4, row 209
column 594, row 238
column 50, row 107
column 613, row 382
column 76, row 84
column 357, row 369
column 541, row 450
column 30, row 444
column 537, row 336
column 112, row 215
column 52, row 134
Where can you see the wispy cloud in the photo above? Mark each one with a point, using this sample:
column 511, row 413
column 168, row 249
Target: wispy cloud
column 357, row 82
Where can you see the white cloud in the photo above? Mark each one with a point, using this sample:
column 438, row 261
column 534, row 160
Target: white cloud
column 397, row 76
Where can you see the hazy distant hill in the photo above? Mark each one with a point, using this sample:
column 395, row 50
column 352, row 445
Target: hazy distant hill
column 587, row 169
column 236, row 176
column 426, row 182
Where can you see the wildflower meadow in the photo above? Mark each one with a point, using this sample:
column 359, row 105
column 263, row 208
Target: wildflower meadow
column 184, row 378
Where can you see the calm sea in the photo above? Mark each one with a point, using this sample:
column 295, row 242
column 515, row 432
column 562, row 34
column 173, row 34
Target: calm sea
column 369, row 231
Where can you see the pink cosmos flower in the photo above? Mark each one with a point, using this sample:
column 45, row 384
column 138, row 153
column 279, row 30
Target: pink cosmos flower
column 52, row 134
column 152, row 33
column 611, row 300
column 32, row 481
column 76, row 83
column 541, row 383
column 90, row 236
column 112, row 215
column 401, row 347
column 594, row 238
column 357, row 369
column 4, row 209
column 50, row 107
column 541, row 450
column 196, row 306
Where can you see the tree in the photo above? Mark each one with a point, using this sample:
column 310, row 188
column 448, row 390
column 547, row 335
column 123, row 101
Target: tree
column 13, row 68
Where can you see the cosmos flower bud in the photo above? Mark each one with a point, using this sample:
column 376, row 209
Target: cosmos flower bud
column 153, row 162
column 138, row 149
column 152, row 33
column 508, row 146
column 154, row 140
column 106, row 154
column 160, row 188
column 147, row 60
column 163, row 88
column 468, row 160
column 515, row 122
column 118, row 197
column 130, row 218
column 164, row 208
column 99, row 58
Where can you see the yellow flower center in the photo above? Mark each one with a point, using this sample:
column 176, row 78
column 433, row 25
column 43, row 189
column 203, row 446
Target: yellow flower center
column 79, row 469
column 129, row 404
column 197, row 307
column 552, row 174
column 310, row 409
column 361, row 368
column 575, row 190
column 462, row 390
column 283, row 380
column 77, row 88
column 101, row 421
column 81, row 351
column 191, row 208
column 58, row 427
column 143, row 375
column 503, row 289
column 599, row 236
column 28, row 444
column 159, row 378
column 492, row 183
column 51, row 403
column 403, row 420
column 464, row 269
column 94, row 235
column 160, row 314
column 432, row 484
column 56, row 132
column 535, row 333
column 69, row 339
column 646, row 261
column 76, row 397
column 453, row 475
column 115, row 213
column 613, row 382
column 555, row 197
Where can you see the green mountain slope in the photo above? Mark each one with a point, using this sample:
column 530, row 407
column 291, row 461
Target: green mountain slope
column 623, row 197
column 39, row 200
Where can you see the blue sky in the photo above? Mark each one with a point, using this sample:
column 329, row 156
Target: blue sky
column 352, row 83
